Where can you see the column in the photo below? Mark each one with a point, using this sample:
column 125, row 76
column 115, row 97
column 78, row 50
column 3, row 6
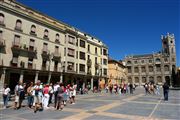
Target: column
column 21, row 76
column 92, row 80
column 2, row 78
column 49, row 77
column 83, row 86
column 36, row 77
column 61, row 78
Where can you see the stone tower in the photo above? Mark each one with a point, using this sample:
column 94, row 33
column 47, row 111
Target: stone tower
column 169, row 50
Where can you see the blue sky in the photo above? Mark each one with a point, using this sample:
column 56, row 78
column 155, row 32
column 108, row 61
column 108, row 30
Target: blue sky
column 128, row 27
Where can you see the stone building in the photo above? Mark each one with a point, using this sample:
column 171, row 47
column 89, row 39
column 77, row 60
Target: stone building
column 34, row 46
column 156, row 67
column 117, row 72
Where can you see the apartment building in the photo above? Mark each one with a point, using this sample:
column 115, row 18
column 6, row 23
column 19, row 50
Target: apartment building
column 117, row 72
column 34, row 46
column 156, row 67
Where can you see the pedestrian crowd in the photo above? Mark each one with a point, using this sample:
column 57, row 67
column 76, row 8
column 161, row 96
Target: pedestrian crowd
column 120, row 88
column 40, row 96
column 151, row 88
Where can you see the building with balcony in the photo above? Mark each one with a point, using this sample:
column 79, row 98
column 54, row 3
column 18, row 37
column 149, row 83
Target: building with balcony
column 117, row 72
column 156, row 67
column 34, row 46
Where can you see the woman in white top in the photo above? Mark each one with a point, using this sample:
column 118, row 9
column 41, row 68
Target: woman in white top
column 6, row 95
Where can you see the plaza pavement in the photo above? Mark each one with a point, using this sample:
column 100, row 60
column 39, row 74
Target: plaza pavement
column 102, row 106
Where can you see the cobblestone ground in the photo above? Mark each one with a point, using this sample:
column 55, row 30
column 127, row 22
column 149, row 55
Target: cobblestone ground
column 102, row 106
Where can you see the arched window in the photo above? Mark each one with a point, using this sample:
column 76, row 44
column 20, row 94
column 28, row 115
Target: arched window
column 33, row 29
column 159, row 79
column 158, row 60
column 150, row 68
column 96, row 50
column 172, row 50
column 18, row 24
column 128, row 62
column 1, row 19
column 46, row 32
column 57, row 38
column 88, row 48
column 136, row 79
column 166, row 68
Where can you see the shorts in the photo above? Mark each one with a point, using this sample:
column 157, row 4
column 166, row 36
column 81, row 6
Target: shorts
column 16, row 98
column 38, row 99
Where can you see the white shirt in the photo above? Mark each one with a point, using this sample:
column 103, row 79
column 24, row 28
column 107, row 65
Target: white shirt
column 56, row 88
column 6, row 91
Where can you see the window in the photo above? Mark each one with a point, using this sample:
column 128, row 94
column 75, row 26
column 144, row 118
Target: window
column 104, row 52
column 33, row 29
column 165, row 59
column 95, row 60
column 135, row 62
column 158, row 68
column 45, row 47
column 1, row 35
column 142, row 61
column 14, row 61
column 46, row 32
column 159, row 79
column 70, row 66
column 71, row 52
column 136, row 69
column 150, row 61
column 88, row 57
column 56, row 50
column 173, row 59
column 105, row 71
column 31, row 44
column 81, row 67
column 96, row 50
column 166, row 68
column 1, row 19
column 128, row 62
column 30, row 63
column 143, row 69
column 143, row 79
column 88, row 48
column 18, row 25
column 16, row 40
column 57, row 38
column 105, row 61
column 71, row 40
column 129, row 70
column 136, row 79
column 150, row 68
column 82, row 43
column 82, row 55
column 158, row 60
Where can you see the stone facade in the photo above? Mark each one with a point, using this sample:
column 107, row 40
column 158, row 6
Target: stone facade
column 35, row 47
column 156, row 67
column 117, row 72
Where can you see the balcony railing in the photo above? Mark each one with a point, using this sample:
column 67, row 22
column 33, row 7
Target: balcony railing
column 18, row 29
column 46, row 37
column 97, row 65
column 45, row 54
column 89, row 62
column 2, row 24
column 44, row 67
column 33, row 33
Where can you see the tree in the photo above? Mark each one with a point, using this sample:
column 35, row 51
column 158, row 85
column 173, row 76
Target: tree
column 173, row 78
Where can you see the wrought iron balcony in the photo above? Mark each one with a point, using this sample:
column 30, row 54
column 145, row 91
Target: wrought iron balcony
column 89, row 62
column 45, row 54
column 56, row 56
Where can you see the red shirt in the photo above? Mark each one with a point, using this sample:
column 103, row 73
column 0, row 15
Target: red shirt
column 46, row 90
